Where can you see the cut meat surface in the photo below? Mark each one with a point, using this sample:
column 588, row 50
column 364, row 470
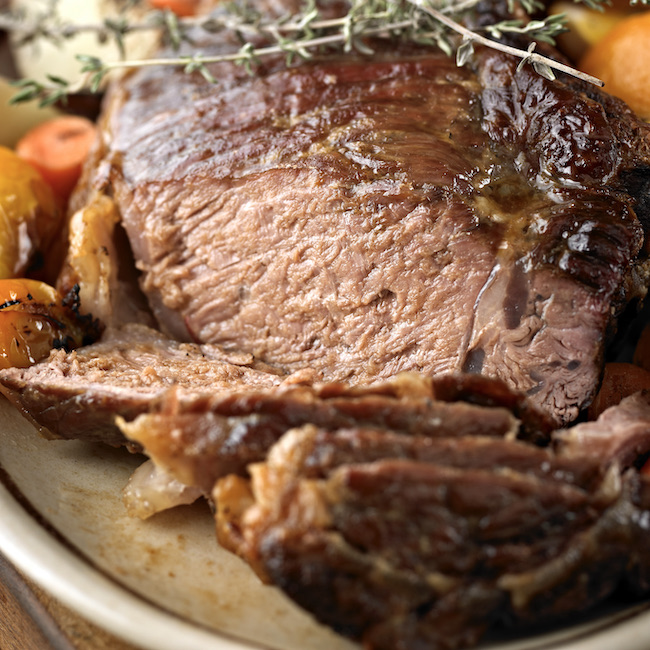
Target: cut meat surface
column 366, row 217
column 416, row 542
column 79, row 394
column 201, row 413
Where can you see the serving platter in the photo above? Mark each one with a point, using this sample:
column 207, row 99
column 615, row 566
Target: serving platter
column 164, row 583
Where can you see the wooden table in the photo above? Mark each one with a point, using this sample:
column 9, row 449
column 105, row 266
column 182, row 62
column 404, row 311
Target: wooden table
column 30, row 619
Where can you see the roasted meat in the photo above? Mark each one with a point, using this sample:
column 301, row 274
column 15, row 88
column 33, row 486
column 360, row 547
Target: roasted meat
column 382, row 284
column 366, row 216
column 413, row 542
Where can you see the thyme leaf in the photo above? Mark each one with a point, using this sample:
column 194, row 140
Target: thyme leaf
column 298, row 36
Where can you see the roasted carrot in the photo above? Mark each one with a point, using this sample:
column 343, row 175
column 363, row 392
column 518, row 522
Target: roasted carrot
column 642, row 351
column 619, row 381
column 58, row 148
column 179, row 7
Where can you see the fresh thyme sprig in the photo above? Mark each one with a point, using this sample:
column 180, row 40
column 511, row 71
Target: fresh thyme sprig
column 297, row 36
column 542, row 64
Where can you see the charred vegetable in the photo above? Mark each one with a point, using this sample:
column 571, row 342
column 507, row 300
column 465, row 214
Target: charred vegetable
column 34, row 318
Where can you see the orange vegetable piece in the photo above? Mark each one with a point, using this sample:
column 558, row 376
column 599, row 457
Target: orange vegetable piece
column 179, row 7
column 586, row 26
column 619, row 381
column 29, row 216
column 34, row 318
column 57, row 149
column 622, row 60
column 642, row 350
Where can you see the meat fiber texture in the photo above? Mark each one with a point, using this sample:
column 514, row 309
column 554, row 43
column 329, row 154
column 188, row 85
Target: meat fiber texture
column 78, row 394
column 419, row 542
column 364, row 217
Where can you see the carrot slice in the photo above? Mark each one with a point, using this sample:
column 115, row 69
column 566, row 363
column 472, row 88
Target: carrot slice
column 58, row 148
column 619, row 381
column 179, row 7
column 642, row 351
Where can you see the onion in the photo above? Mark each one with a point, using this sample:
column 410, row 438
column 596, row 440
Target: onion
column 151, row 490
column 38, row 59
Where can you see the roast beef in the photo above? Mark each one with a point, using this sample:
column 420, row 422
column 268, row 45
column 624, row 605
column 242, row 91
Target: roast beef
column 200, row 441
column 366, row 216
column 79, row 394
column 390, row 272
column 413, row 542
column 201, row 412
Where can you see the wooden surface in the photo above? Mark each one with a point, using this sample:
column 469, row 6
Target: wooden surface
column 30, row 619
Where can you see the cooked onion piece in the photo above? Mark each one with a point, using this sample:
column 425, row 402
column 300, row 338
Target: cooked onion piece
column 150, row 490
column 97, row 264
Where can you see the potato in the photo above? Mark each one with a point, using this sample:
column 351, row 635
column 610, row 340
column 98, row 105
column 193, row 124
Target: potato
column 38, row 59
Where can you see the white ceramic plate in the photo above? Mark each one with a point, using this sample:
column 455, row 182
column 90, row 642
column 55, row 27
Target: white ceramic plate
column 164, row 583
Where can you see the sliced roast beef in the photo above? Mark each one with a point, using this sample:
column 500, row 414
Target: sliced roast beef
column 363, row 217
column 79, row 394
column 200, row 441
column 201, row 412
column 415, row 542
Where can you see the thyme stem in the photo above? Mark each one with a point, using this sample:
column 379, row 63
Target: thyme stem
column 298, row 35
column 260, row 52
column 526, row 55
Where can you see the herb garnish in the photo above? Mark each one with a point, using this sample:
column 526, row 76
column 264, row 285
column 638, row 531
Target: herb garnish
column 434, row 22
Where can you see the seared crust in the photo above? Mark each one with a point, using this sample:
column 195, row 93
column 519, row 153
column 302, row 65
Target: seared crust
column 363, row 218
column 410, row 542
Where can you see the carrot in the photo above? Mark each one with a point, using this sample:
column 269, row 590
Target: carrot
column 642, row 350
column 619, row 381
column 58, row 148
column 179, row 7
column 645, row 468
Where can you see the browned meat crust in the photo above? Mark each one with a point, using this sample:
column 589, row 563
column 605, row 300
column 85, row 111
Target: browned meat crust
column 418, row 543
column 366, row 217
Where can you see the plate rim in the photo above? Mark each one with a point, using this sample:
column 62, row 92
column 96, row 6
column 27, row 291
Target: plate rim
column 40, row 549
column 37, row 553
